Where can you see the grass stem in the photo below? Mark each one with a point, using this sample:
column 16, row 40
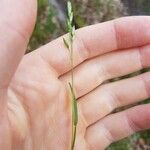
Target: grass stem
column 69, row 46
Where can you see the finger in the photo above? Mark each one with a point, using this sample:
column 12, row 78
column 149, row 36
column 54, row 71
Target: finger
column 118, row 126
column 92, row 73
column 108, row 97
column 16, row 23
column 96, row 40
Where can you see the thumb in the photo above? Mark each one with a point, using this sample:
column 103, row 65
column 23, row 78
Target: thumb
column 17, row 19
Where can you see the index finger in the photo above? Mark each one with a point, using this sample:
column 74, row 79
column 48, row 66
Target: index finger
column 98, row 39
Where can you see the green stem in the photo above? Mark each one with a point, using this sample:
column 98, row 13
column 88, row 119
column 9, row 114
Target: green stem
column 71, row 58
column 69, row 46
column 74, row 127
column 74, row 137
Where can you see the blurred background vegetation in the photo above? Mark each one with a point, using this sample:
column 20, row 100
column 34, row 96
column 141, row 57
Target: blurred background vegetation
column 51, row 24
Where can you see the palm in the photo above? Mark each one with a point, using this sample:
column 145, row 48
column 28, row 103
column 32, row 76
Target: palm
column 35, row 105
column 44, row 102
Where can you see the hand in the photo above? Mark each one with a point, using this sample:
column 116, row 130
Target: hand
column 35, row 109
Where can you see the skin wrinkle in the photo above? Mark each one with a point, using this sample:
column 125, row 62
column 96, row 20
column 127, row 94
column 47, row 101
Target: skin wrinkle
column 136, row 122
column 18, row 35
column 126, row 41
column 132, row 124
column 108, row 137
column 129, row 124
column 145, row 56
column 117, row 34
column 82, row 116
column 142, row 122
column 147, row 86
column 121, row 44
column 114, row 100
column 98, row 78
column 24, row 36
column 108, row 134
column 86, row 54
column 111, row 103
column 18, row 136
column 65, row 119
column 25, row 107
column 62, row 56
column 26, row 111
column 140, row 56
column 101, row 73
column 49, row 66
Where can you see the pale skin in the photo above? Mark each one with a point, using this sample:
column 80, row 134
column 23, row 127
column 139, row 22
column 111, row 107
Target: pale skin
column 35, row 110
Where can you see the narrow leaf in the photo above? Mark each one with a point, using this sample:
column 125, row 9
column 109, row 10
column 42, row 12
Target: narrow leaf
column 74, row 104
column 66, row 43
